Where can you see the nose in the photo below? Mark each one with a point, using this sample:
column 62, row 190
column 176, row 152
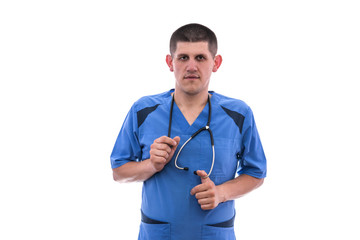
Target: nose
column 192, row 66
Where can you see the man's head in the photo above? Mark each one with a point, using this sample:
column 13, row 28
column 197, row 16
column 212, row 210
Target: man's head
column 193, row 58
column 194, row 33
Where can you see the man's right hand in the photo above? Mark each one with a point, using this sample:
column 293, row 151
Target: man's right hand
column 162, row 150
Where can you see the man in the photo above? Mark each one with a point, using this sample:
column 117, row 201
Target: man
column 153, row 147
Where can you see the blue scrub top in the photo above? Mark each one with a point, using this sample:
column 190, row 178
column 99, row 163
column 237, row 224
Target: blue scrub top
column 168, row 209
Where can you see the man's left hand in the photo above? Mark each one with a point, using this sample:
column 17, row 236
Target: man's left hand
column 206, row 193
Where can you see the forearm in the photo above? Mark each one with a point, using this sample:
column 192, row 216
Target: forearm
column 134, row 171
column 238, row 187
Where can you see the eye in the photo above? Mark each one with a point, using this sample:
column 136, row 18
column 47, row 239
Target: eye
column 200, row 58
column 183, row 58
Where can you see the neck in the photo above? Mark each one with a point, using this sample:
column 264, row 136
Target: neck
column 191, row 105
column 187, row 101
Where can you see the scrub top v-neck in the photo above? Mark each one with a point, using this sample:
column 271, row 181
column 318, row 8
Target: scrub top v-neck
column 183, row 124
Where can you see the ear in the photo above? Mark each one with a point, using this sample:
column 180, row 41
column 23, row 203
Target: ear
column 217, row 64
column 169, row 62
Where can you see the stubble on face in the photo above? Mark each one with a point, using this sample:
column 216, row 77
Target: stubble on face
column 193, row 64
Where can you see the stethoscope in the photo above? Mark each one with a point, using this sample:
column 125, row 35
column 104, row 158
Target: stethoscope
column 207, row 127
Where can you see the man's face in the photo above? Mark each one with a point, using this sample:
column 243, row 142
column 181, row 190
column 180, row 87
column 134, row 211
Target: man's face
column 192, row 64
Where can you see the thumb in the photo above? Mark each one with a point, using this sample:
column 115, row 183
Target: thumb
column 177, row 140
column 173, row 148
column 203, row 175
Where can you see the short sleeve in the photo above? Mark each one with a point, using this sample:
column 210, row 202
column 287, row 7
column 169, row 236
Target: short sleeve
column 253, row 161
column 127, row 147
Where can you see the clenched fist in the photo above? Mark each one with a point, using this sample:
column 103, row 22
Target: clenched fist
column 162, row 150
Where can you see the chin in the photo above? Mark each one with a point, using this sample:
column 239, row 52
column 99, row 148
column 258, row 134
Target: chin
column 193, row 91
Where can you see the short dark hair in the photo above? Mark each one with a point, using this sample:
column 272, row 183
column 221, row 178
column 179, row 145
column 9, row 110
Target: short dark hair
column 194, row 32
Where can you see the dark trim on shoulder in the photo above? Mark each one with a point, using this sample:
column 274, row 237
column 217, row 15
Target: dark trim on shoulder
column 143, row 113
column 237, row 117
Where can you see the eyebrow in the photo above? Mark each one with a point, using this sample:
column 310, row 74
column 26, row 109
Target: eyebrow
column 187, row 55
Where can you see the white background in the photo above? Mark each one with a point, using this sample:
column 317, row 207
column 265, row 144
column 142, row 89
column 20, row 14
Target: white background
column 70, row 70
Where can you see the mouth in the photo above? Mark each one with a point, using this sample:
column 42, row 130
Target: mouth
column 191, row 77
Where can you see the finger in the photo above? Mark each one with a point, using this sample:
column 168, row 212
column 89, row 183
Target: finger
column 156, row 159
column 199, row 188
column 166, row 140
column 205, row 201
column 207, row 206
column 158, row 152
column 202, row 195
column 161, row 146
column 163, row 154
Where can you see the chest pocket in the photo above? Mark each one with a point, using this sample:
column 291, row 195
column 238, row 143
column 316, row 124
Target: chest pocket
column 226, row 160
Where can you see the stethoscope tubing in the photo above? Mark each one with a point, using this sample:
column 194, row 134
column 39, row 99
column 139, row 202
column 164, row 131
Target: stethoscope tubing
column 206, row 128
